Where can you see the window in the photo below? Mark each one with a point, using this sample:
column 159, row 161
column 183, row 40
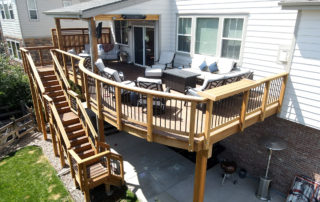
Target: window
column 14, row 49
column 66, row 3
column 213, row 35
column 184, row 34
column 206, row 36
column 232, row 38
column 6, row 10
column 33, row 13
column 121, row 31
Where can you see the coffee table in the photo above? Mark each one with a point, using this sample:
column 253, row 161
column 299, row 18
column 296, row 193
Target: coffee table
column 178, row 79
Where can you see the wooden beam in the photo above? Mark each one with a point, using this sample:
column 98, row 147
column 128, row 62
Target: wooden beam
column 282, row 92
column 94, row 43
column 119, row 17
column 59, row 33
column 243, row 112
column 265, row 100
column 207, row 125
column 200, row 176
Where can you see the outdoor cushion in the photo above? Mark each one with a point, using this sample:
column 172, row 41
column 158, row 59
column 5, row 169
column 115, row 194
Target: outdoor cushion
column 210, row 60
column 213, row 68
column 153, row 72
column 193, row 92
column 197, row 60
column 72, row 51
column 114, row 73
column 159, row 66
column 210, row 78
column 147, row 80
column 100, row 65
column 203, row 66
column 166, row 57
column 225, row 65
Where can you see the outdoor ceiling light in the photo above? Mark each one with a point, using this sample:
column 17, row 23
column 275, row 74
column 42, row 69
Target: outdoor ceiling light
column 135, row 17
column 113, row 18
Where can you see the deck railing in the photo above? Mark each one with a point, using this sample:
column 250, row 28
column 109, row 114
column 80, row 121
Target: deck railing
column 187, row 122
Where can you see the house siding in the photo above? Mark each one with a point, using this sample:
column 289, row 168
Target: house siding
column 11, row 27
column 41, row 28
column 267, row 27
column 301, row 102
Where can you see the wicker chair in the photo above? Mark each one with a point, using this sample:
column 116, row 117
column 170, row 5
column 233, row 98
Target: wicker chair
column 159, row 104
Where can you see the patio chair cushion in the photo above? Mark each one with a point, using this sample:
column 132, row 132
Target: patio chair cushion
column 147, row 80
column 72, row 51
column 210, row 60
column 114, row 73
column 208, row 79
column 153, row 72
column 158, row 66
column 225, row 65
column 197, row 60
column 100, row 65
column 166, row 57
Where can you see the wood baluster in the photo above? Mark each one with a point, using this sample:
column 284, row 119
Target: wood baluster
column 86, row 87
column 149, row 117
column 75, row 78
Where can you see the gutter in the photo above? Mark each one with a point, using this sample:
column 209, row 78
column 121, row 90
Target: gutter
column 303, row 3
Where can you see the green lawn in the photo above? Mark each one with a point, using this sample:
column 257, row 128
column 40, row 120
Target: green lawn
column 26, row 175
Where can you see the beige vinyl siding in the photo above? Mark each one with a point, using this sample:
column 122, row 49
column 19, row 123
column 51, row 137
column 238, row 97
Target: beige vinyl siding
column 267, row 27
column 302, row 98
column 41, row 28
column 11, row 27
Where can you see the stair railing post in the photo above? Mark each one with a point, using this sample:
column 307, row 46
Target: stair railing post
column 192, row 122
column 282, row 92
column 118, row 107
column 243, row 112
column 100, row 115
column 265, row 100
column 149, row 117
column 75, row 78
column 207, row 126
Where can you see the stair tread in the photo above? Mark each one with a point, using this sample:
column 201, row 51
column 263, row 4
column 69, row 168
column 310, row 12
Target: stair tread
column 68, row 116
column 85, row 152
column 75, row 131
column 60, row 108
column 78, row 138
column 58, row 96
column 55, row 91
column 81, row 145
column 72, row 125
column 52, row 86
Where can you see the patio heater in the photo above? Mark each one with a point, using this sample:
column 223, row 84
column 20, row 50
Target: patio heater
column 271, row 143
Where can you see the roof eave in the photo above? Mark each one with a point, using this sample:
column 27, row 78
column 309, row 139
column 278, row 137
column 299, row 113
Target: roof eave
column 302, row 5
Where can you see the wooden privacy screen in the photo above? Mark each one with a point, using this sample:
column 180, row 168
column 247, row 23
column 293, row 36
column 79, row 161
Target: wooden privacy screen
column 77, row 37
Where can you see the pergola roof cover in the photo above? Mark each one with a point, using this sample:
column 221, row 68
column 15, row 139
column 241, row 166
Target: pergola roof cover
column 92, row 8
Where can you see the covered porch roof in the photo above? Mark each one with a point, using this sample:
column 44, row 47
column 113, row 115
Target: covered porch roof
column 91, row 8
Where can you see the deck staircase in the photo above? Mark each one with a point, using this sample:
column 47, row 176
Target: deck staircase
column 80, row 147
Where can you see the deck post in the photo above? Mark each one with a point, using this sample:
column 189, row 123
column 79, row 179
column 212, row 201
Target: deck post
column 192, row 126
column 93, row 43
column 265, row 100
column 207, row 125
column 282, row 92
column 149, row 118
column 59, row 33
column 200, row 175
column 118, row 108
column 243, row 112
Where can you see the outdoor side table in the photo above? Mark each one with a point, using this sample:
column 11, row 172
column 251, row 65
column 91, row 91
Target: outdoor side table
column 178, row 79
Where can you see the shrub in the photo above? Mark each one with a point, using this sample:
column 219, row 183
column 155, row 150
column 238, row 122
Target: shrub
column 14, row 84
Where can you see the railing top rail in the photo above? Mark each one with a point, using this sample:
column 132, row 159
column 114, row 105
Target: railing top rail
column 68, row 54
column 36, row 48
column 35, row 72
column 222, row 92
column 63, row 76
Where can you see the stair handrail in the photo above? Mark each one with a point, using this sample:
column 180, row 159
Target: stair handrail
column 88, row 122
column 56, row 116
column 58, row 67
column 34, row 70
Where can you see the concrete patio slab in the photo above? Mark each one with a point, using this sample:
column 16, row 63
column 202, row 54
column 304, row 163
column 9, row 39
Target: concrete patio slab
column 243, row 191
column 163, row 197
column 123, row 141
column 143, row 157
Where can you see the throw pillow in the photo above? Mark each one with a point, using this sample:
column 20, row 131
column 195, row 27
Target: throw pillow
column 213, row 68
column 203, row 66
column 225, row 65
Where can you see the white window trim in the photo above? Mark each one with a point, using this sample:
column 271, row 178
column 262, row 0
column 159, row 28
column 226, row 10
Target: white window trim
column 220, row 33
column 36, row 9
column 7, row 19
column 191, row 35
column 18, row 50
column 122, row 44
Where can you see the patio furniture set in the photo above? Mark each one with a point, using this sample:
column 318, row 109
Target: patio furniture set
column 182, row 79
